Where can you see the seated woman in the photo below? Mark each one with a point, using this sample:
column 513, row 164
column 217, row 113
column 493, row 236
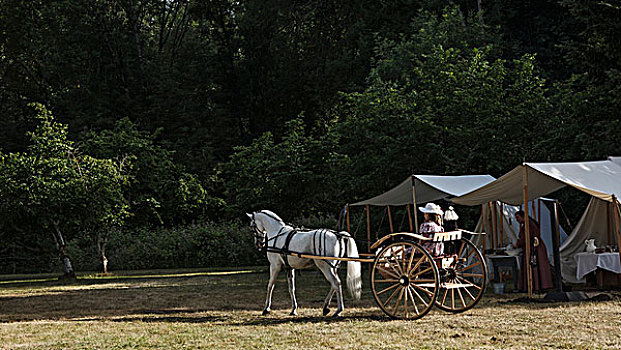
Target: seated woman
column 433, row 223
column 540, row 263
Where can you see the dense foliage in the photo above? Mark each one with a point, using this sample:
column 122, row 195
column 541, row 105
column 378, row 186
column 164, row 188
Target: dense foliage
column 201, row 110
column 54, row 191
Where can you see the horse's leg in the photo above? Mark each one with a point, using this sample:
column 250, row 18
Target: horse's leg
column 274, row 270
column 330, row 273
column 326, row 304
column 291, row 280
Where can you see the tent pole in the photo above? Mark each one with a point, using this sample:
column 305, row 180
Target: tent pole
column 368, row 229
column 502, row 224
column 390, row 219
column 616, row 215
column 483, row 219
column 414, row 204
column 409, row 217
column 556, row 243
column 495, row 223
column 348, row 227
column 491, row 222
column 529, row 276
column 608, row 232
column 539, row 211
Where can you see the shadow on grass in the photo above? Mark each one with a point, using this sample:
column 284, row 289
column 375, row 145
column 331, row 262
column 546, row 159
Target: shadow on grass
column 249, row 320
column 178, row 298
column 51, row 281
column 271, row 321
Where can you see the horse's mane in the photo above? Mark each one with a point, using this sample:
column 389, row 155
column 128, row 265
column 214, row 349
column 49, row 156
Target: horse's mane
column 273, row 215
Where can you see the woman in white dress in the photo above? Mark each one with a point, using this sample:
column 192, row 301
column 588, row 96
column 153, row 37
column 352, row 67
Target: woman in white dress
column 433, row 223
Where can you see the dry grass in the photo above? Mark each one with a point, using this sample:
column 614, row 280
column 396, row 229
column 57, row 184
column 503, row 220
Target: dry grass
column 205, row 309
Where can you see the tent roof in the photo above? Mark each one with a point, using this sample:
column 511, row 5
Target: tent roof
column 428, row 188
column 616, row 160
column 601, row 179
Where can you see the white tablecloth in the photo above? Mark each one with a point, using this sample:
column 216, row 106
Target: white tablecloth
column 589, row 262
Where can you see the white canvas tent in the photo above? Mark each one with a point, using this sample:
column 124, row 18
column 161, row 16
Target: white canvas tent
column 428, row 188
column 600, row 179
column 596, row 222
column 421, row 189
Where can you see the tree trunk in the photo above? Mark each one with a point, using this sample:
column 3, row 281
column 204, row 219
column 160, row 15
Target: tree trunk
column 101, row 247
column 61, row 245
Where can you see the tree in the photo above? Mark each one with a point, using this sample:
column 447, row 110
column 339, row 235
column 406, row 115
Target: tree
column 298, row 175
column 159, row 190
column 439, row 100
column 54, row 190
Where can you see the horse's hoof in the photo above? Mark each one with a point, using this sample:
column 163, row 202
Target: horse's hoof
column 293, row 313
column 265, row 312
column 326, row 311
column 336, row 314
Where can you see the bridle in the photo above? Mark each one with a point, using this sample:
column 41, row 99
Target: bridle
column 259, row 235
column 261, row 240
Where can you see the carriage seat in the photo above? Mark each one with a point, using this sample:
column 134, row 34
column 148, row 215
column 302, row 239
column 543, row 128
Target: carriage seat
column 446, row 236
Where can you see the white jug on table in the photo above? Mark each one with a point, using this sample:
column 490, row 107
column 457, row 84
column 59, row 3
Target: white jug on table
column 590, row 245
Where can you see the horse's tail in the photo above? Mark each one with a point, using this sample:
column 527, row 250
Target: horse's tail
column 354, row 277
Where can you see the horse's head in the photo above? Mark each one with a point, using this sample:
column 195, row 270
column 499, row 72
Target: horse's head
column 262, row 223
column 258, row 231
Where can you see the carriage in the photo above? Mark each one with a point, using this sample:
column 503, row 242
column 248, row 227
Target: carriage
column 406, row 279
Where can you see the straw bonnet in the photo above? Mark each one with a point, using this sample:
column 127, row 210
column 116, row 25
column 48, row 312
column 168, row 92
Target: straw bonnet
column 431, row 208
column 450, row 214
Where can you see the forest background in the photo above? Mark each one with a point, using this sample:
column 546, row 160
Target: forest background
column 136, row 133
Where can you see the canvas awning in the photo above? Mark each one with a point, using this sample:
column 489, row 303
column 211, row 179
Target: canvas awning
column 600, row 179
column 428, row 188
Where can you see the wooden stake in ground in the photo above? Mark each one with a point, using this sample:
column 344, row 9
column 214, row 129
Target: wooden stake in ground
column 529, row 271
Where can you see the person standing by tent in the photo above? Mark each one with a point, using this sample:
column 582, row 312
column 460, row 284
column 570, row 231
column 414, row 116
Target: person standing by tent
column 433, row 223
column 539, row 261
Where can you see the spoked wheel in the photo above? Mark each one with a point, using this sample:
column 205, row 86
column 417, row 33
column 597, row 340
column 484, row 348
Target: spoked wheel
column 463, row 276
column 404, row 280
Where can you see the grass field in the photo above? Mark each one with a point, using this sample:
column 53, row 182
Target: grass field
column 202, row 309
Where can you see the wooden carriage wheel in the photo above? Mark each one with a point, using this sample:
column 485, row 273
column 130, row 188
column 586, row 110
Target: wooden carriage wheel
column 404, row 280
column 463, row 276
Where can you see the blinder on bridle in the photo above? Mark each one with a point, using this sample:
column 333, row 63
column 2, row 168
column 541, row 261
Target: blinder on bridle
column 259, row 236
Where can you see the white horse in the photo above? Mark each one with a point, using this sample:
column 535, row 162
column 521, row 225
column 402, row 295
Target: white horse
column 271, row 233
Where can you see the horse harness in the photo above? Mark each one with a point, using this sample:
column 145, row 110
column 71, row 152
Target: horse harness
column 319, row 243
